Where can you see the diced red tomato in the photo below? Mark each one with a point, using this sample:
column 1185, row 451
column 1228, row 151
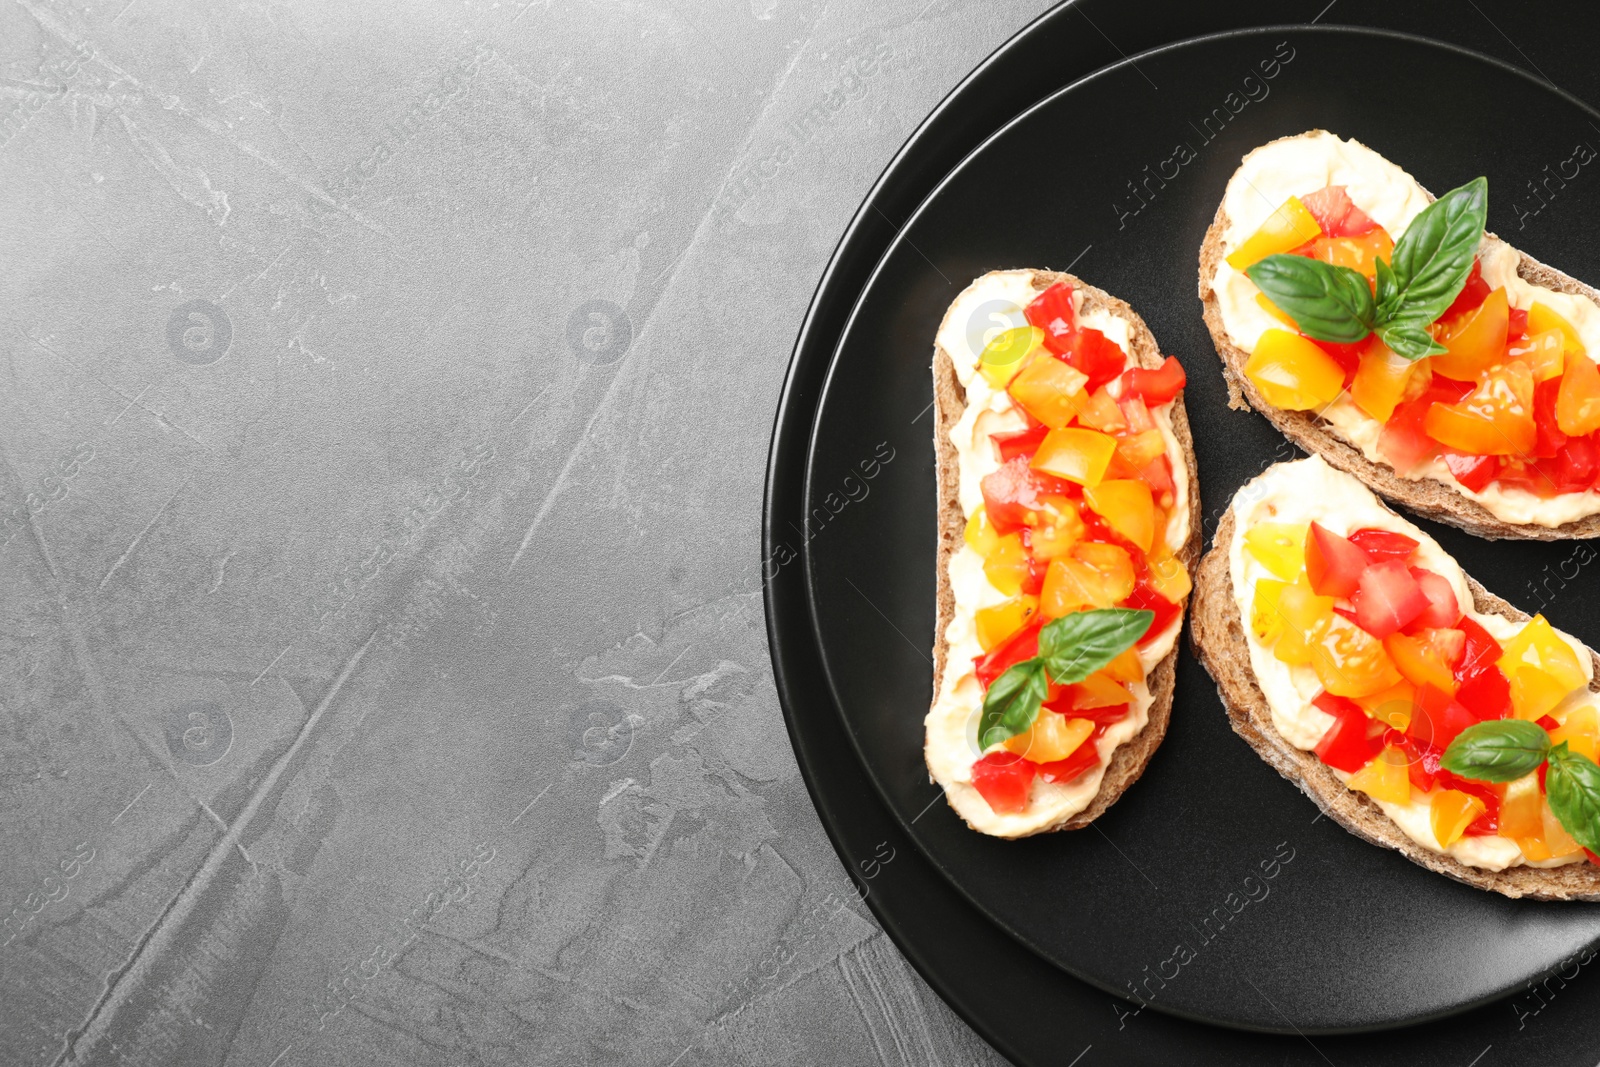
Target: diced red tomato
column 1154, row 387
column 1486, row 693
column 1436, row 717
column 1019, row 442
column 1422, row 761
column 1333, row 564
column 1085, row 757
column 1024, row 644
column 1014, row 490
column 1346, row 746
column 1516, row 325
column 1380, row 545
column 1051, row 311
column 1388, row 598
column 1003, row 779
column 1336, row 213
column 1472, row 294
column 1147, row 599
column 1573, row 469
column 1105, row 716
column 1038, row 568
column 1096, row 355
column 1473, row 472
column 1491, row 795
column 1442, row 610
column 1482, row 649
column 1403, row 441
column 1548, row 438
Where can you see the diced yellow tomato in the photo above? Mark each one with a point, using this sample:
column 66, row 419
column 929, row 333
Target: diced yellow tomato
column 1167, row 575
column 1392, row 706
column 1139, row 449
column 1287, row 228
column 1556, row 839
column 1092, row 576
column 1544, row 354
column 1420, row 663
column 979, row 533
column 1101, row 413
column 1578, row 398
column 1050, row 390
column 1293, row 373
column 1385, row 777
column 1360, row 254
column 1534, row 693
column 1581, row 731
column 1059, row 528
column 1125, row 667
column 1051, row 737
column 1276, row 312
column 1476, row 341
column 1542, row 317
column 1351, row 662
column 1452, row 811
column 1075, row 454
column 1278, row 546
column 1534, row 850
column 1000, row 621
column 1520, row 809
column 1381, row 379
column 1007, row 353
column 1127, row 507
column 1306, row 617
column 1099, row 690
column 1495, row 419
column 1265, row 622
column 1538, row 645
column 1006, row 566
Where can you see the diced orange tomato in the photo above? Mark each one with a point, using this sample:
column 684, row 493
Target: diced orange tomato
column 1099, row 690
column 1287, row 228
column 1578, row 399
column 1382, row 379
column 1581, row 731
column 1075, row 454
column 1293, row 373
column 1392, row 706
column 1420, row 663
column 1350, row 662
column 1385, row 777
column 1102, row 413
column 1544, row 354
column 1495, row 419
column 1475, row 341
column 1265, row 622
column 1452, row 811
column 1520, row 809
column 1127, row 507
column 1094, row 575
column 1000, row 621
column 1006, row 565
column 1166, row 575
column 1059, row 528
column 1360, row 254
column 1007, row 353
column 1542, row 317
column 1137, row 450
column 979, row 533
column 1556, row 839
column 1050, row 391
column 1279, row 547
column 1125, row 667
column 1050, row 738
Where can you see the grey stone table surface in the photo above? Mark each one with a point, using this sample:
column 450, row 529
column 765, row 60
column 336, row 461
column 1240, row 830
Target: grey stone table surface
column 386, row 398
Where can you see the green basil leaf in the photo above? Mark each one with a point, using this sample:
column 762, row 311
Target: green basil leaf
column 1328, row 303
column 1501, row 750
column 1410, row 338
column 1012, row 702
column 1080, row 643
column 1572, row 785
column 1388, row 294
column 1433, row 257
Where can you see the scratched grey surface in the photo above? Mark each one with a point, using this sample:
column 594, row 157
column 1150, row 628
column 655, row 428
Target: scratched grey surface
column 386, row 400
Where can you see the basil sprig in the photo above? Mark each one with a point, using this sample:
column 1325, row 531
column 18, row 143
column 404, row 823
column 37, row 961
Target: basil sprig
column 1070, row 649
column 1500, row 750
column 1426, row 273
column 1572, row 786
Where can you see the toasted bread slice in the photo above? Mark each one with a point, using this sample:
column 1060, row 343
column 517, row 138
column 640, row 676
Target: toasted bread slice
column 949, row 402
column 1439, row 500
column 1217, row 634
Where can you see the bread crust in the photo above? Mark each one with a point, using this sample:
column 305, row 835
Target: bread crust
column 1427, row 496
column 1216, row 633
column 949, row 401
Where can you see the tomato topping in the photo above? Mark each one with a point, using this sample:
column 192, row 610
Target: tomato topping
column 1085, row 757
column 1482, row 649
column 1471, row 294
column 1388, row 598
column 1015, row 490
column 1333, row 564
column 1103, row 715
column 1442, row 610
column 1016, row 443
column 1346, row 745
column 1473, row 472
column 1024, row 644
column 1051, row 311
column 1154, row 387
column 1437, row 717
column 1380, row 545
column 1336, row 213
column 1003, row 779
column 1487, row 823
column 1403, row 442
column 1094, row 354
column 1548, row 438
column 1146, row 598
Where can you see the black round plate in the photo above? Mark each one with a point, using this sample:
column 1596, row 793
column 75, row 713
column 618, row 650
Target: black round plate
column 1167, row 897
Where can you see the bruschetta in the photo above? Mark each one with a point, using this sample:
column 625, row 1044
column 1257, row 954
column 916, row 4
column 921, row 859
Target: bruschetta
column 1068, row 529
column 1417, row 709
column 1387, row 332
